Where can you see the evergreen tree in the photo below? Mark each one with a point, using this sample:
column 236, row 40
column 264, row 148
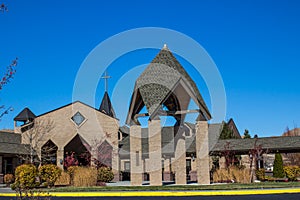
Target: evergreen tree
column 246, row 134
column 226, row 133
column 278, row 171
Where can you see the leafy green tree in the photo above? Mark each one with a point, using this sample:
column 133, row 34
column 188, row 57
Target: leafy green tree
column 246, row 134
column 278, row 171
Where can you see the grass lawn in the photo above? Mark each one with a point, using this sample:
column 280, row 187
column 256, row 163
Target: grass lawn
column 231, row 186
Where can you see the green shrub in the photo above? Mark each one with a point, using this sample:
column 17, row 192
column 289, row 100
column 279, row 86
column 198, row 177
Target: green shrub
column 278, row 171
column 260, row 174
column 292, row 172
column 105, row 174
column 25, row 177
column 85, row 177
column 9, row 178
column 49, row 173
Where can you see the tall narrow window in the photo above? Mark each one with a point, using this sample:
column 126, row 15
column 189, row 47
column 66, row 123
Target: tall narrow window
column 137, row 158
column 127, row 166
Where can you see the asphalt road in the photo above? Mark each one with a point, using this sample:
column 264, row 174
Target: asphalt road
column 235, row 197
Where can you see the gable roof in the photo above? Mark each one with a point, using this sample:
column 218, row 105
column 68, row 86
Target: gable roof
column 69, row 105
column 155, row 85
column 24, row 115
column 106, row 106
column 231, row 124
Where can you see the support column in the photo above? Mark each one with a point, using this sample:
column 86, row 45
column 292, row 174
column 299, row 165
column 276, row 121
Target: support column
column 115, row 164
column 202, row 151
column 155, row 171
column 136, row 163
column 60, row 158
column 179, row 163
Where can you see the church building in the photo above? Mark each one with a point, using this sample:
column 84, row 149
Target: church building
column 157, row 153
column 171, row 153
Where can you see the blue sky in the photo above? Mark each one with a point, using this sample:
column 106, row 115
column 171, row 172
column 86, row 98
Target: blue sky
column 255, row 45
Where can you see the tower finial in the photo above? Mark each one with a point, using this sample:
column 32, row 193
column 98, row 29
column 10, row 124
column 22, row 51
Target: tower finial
column 106, row 77
column 165, row 47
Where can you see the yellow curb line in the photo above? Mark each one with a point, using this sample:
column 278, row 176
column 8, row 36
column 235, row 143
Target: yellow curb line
column 162, row 193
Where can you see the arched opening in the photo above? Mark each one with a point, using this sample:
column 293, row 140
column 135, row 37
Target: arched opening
column 49, row 153
column 105, row 154
column 80, row 150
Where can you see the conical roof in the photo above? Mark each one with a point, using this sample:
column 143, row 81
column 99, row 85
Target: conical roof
column 157, row 82
column 24, row 115
column 106, row 106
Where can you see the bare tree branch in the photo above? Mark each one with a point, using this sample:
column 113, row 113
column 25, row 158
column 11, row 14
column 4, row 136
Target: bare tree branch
column 34, row 137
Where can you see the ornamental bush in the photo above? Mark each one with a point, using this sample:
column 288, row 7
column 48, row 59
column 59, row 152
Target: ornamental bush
column 232, row 174
column 85, row 177
column 63, row 179
column 278, row 171
column 49, row 173
column 9, row 179
column 260, row 174
column 71, row 171
column 105, row 174
column 292, row 172
column 25, row 177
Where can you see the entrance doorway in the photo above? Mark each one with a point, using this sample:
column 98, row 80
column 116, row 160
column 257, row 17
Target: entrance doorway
column 80, row 150
column 7, row 165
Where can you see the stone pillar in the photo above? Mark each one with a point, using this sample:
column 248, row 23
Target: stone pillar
column 115, row 164
column 155, row 171
column 136, row 163
column 202, row 151
column 60, row 158
column 179, row 164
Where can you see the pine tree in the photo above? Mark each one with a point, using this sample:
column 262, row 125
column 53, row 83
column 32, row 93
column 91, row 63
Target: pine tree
column 246, row 134
column 278, row 171
column 226, row 133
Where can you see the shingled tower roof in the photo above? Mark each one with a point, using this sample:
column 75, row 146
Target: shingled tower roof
column 106, row 106
column 157, row 83
column 25, row 115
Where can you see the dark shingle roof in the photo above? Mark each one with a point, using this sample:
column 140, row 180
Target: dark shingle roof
column 124, row 130
column 155, row 84
column 24, row 115
column 106, row 106
column 214, row 131
column 168, row 146
column 271, row 144
column 10, row 143
column 167, row 143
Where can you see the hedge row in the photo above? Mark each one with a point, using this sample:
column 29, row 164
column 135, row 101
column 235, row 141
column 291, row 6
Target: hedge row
column 27, row 176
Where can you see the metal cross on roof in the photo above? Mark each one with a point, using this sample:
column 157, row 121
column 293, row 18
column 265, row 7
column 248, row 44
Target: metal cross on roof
column 106, row 77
